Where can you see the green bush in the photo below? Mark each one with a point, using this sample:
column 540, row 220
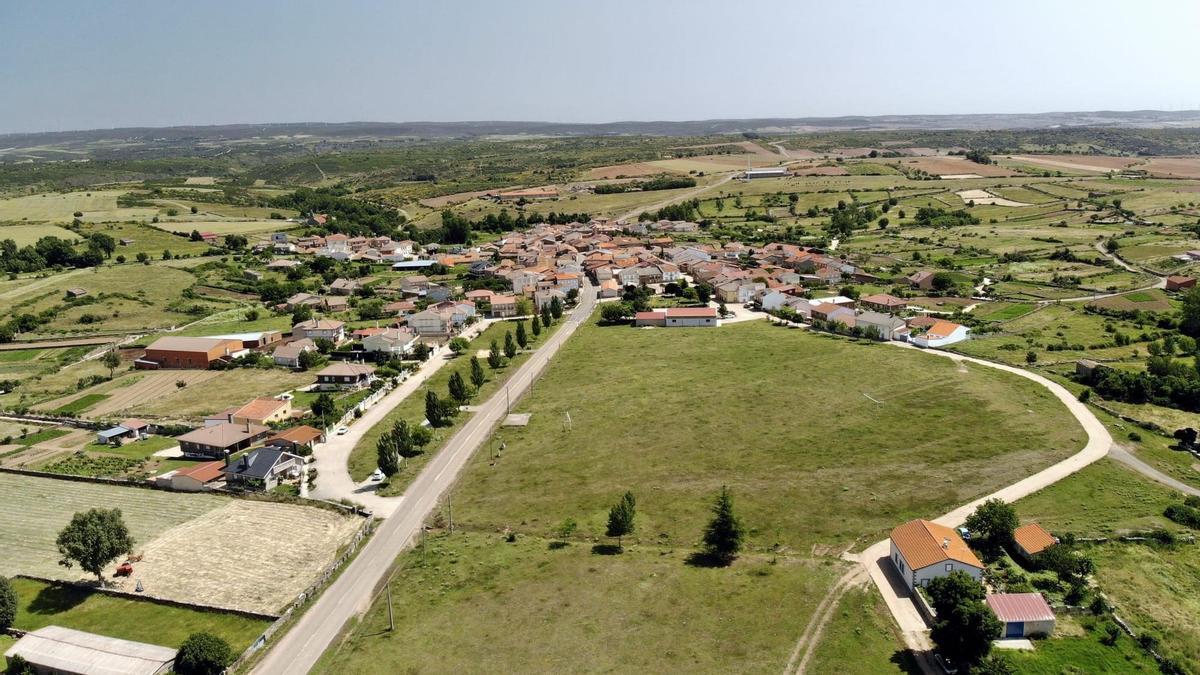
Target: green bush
column 203, row 654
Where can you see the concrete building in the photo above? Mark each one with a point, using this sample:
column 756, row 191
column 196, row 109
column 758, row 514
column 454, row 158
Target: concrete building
column 922, row 551
column 941, row 334
column 678, row 317
column 770, row 172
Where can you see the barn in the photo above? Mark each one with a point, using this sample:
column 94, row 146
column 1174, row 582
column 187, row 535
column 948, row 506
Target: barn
column 1023, row 614
column 54, row 649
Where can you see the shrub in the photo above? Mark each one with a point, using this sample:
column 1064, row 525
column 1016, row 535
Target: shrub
column 203, row 654
column 8, row 604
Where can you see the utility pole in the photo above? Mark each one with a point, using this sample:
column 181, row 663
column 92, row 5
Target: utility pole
column 450, row 511
column 391, row 620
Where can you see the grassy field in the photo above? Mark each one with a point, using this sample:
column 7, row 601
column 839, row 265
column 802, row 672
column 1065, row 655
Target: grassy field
column 671, row 415
column 60, row 207
column 26, row 235
column 80, row 404
column 861, row 639
column 728, row 404
column 1154, row 588
column 41, row 604
column 157, row 395
column 467, row 599
column 35, row 509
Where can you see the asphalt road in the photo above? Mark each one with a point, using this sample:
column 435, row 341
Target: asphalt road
column 298, row 650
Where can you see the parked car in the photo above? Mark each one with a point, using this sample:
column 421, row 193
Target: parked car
column 945, row 664
column 376, row 476
column 341, row 431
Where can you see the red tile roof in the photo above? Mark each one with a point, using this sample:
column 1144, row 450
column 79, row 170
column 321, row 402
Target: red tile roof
column 923, row 543
column 692, row 312
column 1033, row 538
column 204, row 472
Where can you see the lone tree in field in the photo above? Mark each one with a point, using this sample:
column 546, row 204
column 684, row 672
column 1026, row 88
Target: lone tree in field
column 495, row 359
column 477, row 376
column 992, row 526
column 536, row 326
column 510, row 345
column 111, row 360
column 203, row 654
column 458, row 388
column 723, row 536
column 8, row 604
column 620, row 518
column 522, row 336
column 93, row 539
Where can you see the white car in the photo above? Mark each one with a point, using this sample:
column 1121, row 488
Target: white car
column 342, row 431
column 377, row 476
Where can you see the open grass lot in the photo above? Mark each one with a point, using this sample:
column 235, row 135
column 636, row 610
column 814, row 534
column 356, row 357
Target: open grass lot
column 225, row 226
column 35, row 509
column 61, row 207
column 671, row 415
column 145, row 239
column 26, row 235
column 1083, row 654
column 745, row 405
column 362, row 458
column 861, row 639
column 1154, row 588
column 41, row 604
column 470, row 599
column 156, row 395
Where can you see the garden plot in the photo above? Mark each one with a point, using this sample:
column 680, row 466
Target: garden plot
column 247, row 555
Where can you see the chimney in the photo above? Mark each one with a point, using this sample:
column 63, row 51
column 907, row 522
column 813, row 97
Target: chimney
column 946, row 542
column 247, row 426
column 246, row 461
column 227, row 457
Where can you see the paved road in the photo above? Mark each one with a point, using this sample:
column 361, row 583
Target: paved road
column 677, row 198
column 331, row 458
column 298, row 650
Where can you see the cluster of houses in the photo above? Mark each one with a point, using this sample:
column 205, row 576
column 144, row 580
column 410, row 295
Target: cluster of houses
column 922, row 551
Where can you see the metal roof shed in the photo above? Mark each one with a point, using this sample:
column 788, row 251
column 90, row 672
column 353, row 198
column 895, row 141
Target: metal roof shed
column 64, row 650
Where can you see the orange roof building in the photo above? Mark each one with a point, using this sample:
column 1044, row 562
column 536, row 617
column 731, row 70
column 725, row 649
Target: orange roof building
column 1032, row 539
column 922, row 551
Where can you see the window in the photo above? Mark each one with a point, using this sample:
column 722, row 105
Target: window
column 949, row 567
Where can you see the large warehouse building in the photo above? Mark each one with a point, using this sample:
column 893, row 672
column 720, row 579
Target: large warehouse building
column 189, row 352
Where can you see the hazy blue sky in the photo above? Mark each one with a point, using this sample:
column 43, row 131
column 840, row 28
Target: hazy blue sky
column 92, row 64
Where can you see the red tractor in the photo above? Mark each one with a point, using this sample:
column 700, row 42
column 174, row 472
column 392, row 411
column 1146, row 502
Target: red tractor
column 125, row 569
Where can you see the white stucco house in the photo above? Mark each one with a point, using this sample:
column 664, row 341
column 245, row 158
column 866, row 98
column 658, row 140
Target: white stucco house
column 941, row 334
column 922, row 551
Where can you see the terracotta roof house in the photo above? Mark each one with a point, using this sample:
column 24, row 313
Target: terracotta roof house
column 922, row 551
column 1032, row 539
column 298, row 440
column 922, row 280
column 883, row 302
column 1023, row 614
column 262, row 411
column 941, row 333
column 216, row 440
column 193, row 478
column 320, row 328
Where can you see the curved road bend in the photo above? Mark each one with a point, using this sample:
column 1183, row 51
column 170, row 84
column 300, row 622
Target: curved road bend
column 875, row 558
column 298, row 650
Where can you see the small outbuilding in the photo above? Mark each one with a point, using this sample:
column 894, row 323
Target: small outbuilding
column 1032, row 539
column 65, row 651
column 1023, row 614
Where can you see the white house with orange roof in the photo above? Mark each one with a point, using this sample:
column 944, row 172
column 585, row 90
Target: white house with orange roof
column 922, row 551
column 941, row 334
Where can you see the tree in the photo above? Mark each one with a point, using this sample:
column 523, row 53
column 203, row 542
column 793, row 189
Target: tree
column 17, row 665
column 522, row 336
column 437, row 411
column 965, row 627
column 301, row 314
column 111, row 360
column 556, row 308
column 324, row 407
column 614, row 312
column 722, row 310
column 400, row 443
column 536, row 326
column 546, row 318
column 143, row 257
column 510, row 345
column 620, row 518
column 703, row 293
column 477, row 376
column 458, row 388
column 387, row 456
column 723, row 535
column 495, row 360
column 942, row 281
column 565, row 529
column 1186, row 437
column 459, row 345
column 308, row 359
column 8, row 604
column 235, row 242
column 203, row 654
column 93, row 539
column 1031, row 357
column 1189, row 317
column 992, row 526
